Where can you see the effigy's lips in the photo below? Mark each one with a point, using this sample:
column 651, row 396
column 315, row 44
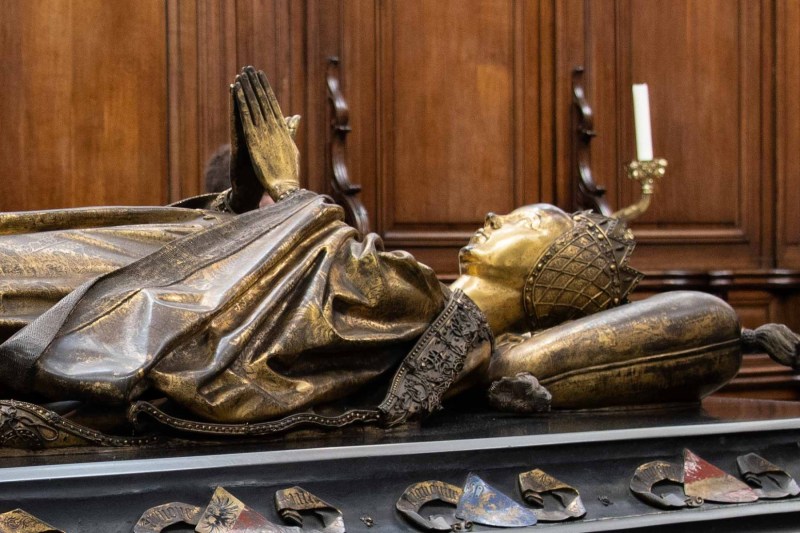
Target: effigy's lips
column 481, row 503
column 705, row 480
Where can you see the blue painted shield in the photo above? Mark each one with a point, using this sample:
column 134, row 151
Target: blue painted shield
column 483, row 504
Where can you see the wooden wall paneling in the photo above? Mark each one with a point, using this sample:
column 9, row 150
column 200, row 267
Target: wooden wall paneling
column 270, row 35
column 535, row 120
column 344, row 29
column 754, row 308
column 448, row 97
column 14, row 185
column 82, row 103
column 263, row 40
column 788, row 133
column 210, row 41
column 761, row 297
column 458, row 102
column 201, row 65
column 765, row 165
column 605, row 93
column 186, row 163
column 568, row 21
column 705, row 62
column 323, row 40
column 296, row 99
column 760, row 377
column 543, row 46
column 359, row 54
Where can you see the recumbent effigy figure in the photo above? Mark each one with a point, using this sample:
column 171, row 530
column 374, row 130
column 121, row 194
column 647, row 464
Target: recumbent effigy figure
column 216, row 317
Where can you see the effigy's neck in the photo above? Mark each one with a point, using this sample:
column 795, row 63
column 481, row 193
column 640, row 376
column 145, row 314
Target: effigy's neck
column 502, row 305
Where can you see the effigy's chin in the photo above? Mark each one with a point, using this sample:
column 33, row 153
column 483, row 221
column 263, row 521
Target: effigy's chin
column 671, row 348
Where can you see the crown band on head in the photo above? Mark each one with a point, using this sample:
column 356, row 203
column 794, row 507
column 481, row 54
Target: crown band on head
column 584, row 271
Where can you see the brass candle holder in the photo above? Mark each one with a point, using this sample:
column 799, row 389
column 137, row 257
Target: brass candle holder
column 647, row 173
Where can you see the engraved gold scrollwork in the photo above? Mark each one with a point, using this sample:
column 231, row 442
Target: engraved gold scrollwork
column 18, row 521
column 28, row 426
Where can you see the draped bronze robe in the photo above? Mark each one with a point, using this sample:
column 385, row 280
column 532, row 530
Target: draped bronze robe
column 250, row 318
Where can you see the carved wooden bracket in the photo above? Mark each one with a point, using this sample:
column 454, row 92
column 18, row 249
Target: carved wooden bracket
column 344, row 191
column 588, row 195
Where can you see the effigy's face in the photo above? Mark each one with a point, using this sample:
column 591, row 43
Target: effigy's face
column 507, row 246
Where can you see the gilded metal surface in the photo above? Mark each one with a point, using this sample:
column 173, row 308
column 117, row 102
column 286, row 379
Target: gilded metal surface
column 654, row 472
column 442, row 352
column 267, row 138
column 499, row 257
column 706, row 481
column 28, row 426
column 673, row 347
column 584, row 271
column 439, row 357
column 258, row 318
column 341, row 313
column 483, row 504
column 18, row 521
column 647, row 173
column 767, row 480
column 534, row 484
column 227, row 514
column 292, row 501
column 418, row 494
column 157, row 518
column 46, row 255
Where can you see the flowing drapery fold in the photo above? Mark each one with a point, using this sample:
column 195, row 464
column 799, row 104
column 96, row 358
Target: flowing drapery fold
column 258, row 316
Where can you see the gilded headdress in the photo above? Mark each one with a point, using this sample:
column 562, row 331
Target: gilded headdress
column 584, row 271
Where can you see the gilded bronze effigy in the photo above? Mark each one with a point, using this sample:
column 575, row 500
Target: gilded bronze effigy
column 226, row 319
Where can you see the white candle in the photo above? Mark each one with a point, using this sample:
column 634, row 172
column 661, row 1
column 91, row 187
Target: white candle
column 641, row 117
